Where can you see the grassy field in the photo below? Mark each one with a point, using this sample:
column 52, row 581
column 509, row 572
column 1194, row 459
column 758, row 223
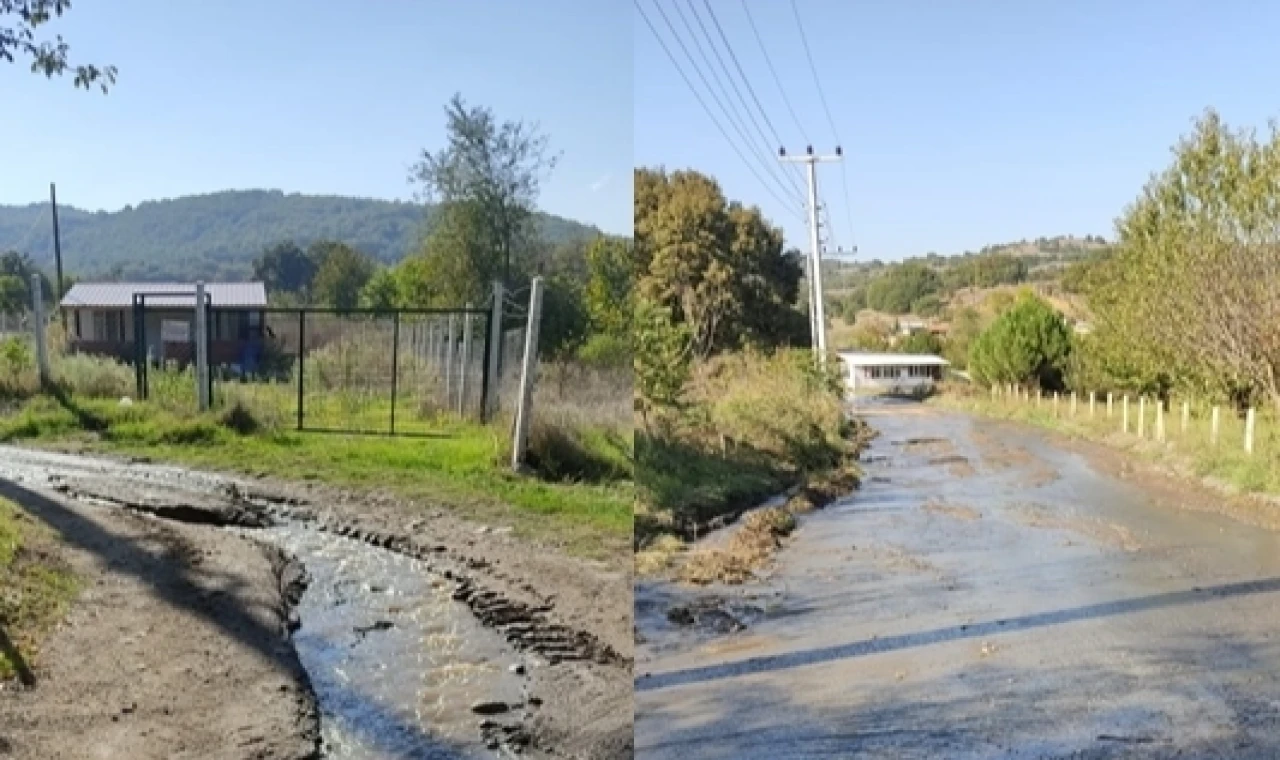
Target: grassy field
column 35, row 590
column 752, row 427
column 1192, row 449
column 578, row 492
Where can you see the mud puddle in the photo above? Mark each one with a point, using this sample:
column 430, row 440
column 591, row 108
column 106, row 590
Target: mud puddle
column 396, row 664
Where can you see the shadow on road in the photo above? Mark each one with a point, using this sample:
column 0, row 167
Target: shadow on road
column 170, row 575
column 952, row 633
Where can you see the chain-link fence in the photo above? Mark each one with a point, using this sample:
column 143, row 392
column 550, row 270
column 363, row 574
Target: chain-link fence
column 399, row 372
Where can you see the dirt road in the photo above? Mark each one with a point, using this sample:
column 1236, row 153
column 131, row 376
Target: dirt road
column 989, row 593
column 235, row 618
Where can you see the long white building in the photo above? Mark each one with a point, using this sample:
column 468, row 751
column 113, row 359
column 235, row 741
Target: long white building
column 892, row 373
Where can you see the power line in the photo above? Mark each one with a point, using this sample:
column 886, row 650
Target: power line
column 729, row 112
column 769, row 149
column 774, row 71
column 844, row 174
column 708, row 110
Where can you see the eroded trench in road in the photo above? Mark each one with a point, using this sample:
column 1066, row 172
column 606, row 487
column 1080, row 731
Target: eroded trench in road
column 407, row 655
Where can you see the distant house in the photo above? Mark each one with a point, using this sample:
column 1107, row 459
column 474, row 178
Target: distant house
column 911, row 326
column 892, row 373
column 100, row 320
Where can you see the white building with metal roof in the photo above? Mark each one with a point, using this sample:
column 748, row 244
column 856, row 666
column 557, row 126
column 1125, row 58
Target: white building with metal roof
column 892, row 373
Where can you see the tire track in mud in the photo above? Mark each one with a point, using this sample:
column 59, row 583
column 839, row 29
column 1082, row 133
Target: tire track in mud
column 218, row 502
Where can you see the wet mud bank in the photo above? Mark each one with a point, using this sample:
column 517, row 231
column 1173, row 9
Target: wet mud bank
column 406, row 648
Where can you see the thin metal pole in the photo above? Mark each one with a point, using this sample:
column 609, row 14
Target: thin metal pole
column 448, row 361
column 395, row 365
column 302, row 363
column 57, row 249
column 465, row 368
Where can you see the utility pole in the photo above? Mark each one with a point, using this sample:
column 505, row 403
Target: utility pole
column 819, row 317
column 57, row 249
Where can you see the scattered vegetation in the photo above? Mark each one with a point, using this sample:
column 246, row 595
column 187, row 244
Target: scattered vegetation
column 36, row 588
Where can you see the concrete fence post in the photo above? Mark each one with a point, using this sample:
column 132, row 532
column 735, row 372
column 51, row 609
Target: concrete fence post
column 1186, row 416
column 528, row 373
column 1108, row 405
column 38, row 327
column 1073, row 403
column 1124, row 418
column 1160, row 420
column 1142, row 415
column 1214, row 426
column 1249, row 419
column 1055, row 403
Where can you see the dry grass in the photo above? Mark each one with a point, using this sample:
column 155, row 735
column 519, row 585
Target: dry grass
column 750, row 549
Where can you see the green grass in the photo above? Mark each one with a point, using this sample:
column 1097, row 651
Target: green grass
column 461, row 466
column 35, row 587
column 1192, row 450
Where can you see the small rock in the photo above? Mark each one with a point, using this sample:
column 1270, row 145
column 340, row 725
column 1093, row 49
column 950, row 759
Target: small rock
column 490, row 708
column 483, row 529
column 517, row 668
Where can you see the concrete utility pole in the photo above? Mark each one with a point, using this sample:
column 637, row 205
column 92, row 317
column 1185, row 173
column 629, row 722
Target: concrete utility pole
column 817, row 312
column 57, row 251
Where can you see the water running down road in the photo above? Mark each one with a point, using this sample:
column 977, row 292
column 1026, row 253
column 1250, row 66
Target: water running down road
column 988, row 593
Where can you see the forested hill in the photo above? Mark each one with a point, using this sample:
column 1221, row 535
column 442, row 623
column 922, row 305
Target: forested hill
column 217, row 236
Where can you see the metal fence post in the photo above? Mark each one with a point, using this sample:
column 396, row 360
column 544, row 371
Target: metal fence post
column 302, row 363
column 450, row 337
column 528, row 375
column 202, row 349
column 395, row 365
column 492, row 350
column 42, row 345
column 464, row 368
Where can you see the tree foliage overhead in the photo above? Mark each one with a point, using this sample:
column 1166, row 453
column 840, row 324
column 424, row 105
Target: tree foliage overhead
column 1191, row 297
column 714, row 266
column 494, row 172
column 218, row 236
column 1027, row 345
column 19, row 22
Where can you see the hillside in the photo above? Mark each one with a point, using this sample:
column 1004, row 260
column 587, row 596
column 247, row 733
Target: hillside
column 217, row 236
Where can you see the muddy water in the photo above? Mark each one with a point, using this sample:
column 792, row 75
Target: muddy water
column 396, row 663
column 987, row 594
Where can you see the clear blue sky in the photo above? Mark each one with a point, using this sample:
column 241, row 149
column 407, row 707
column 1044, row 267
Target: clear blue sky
column 966, row 123
column 318, row 96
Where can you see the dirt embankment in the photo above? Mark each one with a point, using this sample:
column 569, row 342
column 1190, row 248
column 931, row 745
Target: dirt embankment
column 575, row 615
column 176, row 647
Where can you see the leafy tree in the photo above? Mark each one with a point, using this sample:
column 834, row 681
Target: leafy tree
column 19, row 20
column 496, row 169
column 285, row 268
column 13, row 295
column 565, row 322
column 927, row 306
column 921, row 343
column 1191, row 296
column 966, row 325
column 1029, row 345
column 662, row 359
column 382, row 291
column 16, row 271
column 901, row 286
column 715, row 266
column 341, row 274
column 608, row 292
column 457, row 263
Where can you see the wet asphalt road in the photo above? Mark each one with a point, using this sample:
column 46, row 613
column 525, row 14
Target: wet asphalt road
column 986, row 594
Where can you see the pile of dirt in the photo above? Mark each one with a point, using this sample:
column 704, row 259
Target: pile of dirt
column 750, row 549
